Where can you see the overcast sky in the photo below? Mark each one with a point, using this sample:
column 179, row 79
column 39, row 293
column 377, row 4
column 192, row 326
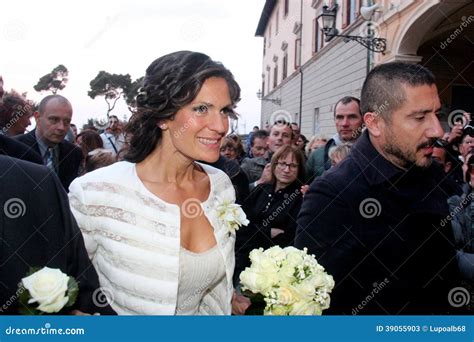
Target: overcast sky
column 125, row 36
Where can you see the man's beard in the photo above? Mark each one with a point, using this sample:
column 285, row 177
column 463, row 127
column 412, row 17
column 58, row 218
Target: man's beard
column 407, row 159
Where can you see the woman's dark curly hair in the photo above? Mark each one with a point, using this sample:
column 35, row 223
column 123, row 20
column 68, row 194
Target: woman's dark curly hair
column 171, row 82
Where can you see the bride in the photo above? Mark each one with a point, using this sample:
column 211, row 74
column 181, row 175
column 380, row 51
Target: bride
column 153, row 224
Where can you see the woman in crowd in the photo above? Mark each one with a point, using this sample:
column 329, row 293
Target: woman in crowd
column 151, row 223
column 315, row 142
column 229, row 148
column 338, row 153
column 15, row 114
column 462, row 223
column 88, row 140
column 272, row 208
column 240, row 153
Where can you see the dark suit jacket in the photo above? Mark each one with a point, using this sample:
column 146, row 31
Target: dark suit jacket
column 37, row 229
column 69, row 160
column 16, row 149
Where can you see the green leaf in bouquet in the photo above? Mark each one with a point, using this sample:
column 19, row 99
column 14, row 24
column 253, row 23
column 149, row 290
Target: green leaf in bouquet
column 257, row 305
column 24, row 308
column 72, row 291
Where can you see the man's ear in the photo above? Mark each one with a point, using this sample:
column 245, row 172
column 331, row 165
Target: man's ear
column 36, row 115
column 373, row 122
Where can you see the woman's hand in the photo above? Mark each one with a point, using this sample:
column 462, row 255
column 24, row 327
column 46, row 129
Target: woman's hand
column 240, row 303
column 266, row 176
column 304, row 189
column 80, row 313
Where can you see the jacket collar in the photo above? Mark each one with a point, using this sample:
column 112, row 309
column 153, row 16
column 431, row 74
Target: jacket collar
column 374, row 167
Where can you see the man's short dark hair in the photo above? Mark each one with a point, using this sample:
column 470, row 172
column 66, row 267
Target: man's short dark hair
column 113, row 116
column 382, row 92
column 282, row 122
column 261, row 134
column 346, row 100
column 44, row 101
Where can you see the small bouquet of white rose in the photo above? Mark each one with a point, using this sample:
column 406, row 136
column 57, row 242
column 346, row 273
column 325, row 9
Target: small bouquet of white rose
column 46, row 290
column 289, row 280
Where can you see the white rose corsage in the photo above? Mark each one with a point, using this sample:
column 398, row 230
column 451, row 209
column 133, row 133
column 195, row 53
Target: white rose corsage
column 230, row 215
column 46, row 290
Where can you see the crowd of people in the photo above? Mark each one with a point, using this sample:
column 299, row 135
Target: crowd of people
column 385, row 204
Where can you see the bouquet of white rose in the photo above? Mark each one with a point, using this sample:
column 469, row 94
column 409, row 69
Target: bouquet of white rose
column 47, row 290
column 290, row 281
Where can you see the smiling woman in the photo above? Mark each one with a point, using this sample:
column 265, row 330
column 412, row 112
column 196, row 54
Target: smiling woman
column 150, row 223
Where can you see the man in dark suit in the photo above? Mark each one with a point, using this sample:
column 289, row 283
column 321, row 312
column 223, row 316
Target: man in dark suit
column 16, row 149
column 53, row 119
column 37, row 229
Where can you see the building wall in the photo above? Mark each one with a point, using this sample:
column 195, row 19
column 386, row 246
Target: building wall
column 339, row 71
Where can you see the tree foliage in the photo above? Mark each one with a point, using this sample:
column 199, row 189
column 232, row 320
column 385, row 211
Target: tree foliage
column 54, row 81
column 94, row 123
column 131, row 95
column 111, row 86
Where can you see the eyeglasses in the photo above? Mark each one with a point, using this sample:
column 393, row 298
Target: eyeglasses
column 283, row 165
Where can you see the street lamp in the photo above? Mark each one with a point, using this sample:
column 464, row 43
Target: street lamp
column 328, row 17
column 276, row 101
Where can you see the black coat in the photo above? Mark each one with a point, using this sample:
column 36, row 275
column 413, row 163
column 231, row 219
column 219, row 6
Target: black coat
column 265, row 209
column 237, row 177
column 377, row 229
column 16, row 149
column 69, row 159
column 37, row 229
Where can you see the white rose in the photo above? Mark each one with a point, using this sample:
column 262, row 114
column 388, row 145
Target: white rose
column 305, row 308
column 48, row 288
column 257, row 282
column 276, row 252
column 286, row 296
column 286, row 274
column 275, row 310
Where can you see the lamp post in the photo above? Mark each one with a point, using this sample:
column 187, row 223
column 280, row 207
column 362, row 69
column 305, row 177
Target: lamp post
column 276, row 101
column 328, row 18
